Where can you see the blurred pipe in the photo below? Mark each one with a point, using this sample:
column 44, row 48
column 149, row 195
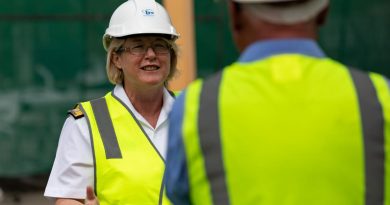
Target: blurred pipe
column 182, row 14
column 1, row 195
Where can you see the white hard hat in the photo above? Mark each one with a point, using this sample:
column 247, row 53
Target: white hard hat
column 139, row 17
column 301, row 11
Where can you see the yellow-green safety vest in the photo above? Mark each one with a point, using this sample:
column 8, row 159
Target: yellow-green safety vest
column 288, row 130
column 129, row 169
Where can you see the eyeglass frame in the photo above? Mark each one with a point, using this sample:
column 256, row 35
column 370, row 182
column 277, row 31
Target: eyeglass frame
column 121, row 49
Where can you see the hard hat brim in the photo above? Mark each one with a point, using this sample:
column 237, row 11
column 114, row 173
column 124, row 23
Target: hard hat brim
column 295, row 13
column 107, row 38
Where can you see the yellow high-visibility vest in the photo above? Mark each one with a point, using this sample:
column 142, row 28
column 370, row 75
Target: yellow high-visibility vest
column 288, row 130
column 128, row 168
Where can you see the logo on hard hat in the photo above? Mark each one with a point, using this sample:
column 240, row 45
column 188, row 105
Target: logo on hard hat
column 148, row 12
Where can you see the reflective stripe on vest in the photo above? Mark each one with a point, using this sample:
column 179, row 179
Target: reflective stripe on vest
column 373, row 132
column 106, row 129
column 209, row 135
column 372, row 125
column 128, row 167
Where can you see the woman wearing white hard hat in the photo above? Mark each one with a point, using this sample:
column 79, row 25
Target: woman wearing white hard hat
column 117, row 144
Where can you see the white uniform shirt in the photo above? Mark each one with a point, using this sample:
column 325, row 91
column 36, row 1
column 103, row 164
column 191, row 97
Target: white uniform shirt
column 73, row 167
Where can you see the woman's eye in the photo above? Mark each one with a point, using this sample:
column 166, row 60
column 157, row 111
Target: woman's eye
column 159, row 46
column 138, row 46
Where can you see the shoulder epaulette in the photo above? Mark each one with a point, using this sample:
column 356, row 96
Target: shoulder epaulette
column 76, row 112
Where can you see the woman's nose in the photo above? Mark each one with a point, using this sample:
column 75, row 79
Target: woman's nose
column 150, row 52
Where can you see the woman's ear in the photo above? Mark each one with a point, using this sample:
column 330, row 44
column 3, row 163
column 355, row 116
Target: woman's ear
column 116, row 60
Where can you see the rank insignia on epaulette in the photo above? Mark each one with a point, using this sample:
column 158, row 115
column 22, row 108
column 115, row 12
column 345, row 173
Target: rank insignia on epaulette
column 76, row 112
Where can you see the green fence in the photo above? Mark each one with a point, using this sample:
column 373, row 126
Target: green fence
column 356, row 33
column 51, row 57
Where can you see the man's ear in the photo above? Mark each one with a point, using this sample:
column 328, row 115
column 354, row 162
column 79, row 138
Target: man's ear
column 322, row 16
column 235, row 15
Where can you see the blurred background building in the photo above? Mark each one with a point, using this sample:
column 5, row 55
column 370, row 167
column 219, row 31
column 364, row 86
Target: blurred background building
column 51, row 57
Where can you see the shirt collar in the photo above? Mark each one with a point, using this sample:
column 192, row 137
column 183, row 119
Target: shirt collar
column 263, row 49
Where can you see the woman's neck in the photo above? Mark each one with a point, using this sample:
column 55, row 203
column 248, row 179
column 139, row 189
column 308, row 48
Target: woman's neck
column 148, row 103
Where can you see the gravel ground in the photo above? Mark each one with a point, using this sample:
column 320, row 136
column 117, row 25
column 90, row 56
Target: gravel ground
column 26, row 198
column 24, row 191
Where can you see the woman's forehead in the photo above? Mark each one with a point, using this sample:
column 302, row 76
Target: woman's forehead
column 142, row 38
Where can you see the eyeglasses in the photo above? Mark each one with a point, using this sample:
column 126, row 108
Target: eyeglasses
column 140, row 48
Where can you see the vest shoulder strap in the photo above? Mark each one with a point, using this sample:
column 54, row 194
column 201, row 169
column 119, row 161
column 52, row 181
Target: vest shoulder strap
column 106, row 128
column 373, row 133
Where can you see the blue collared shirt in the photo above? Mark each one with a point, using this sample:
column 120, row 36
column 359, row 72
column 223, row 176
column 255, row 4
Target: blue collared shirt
column 176, row 167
